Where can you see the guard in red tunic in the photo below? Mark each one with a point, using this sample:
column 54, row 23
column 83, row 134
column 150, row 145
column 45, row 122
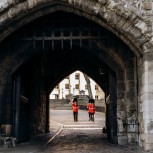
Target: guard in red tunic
column 92, row 109
column 75, row 108
column 88, row 107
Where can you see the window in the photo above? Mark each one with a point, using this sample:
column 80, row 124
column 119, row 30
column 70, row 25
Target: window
column 77, row 76
column 77, row 86
column 96, row 87
column 67, row 86
column 56, row 97
column 86, row 87
column 96, row 96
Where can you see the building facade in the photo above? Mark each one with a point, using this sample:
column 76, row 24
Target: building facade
column 75, row 85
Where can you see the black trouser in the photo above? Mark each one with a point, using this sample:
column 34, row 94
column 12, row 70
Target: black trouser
column 75, row 115
column 89, row 116
column 92, row 116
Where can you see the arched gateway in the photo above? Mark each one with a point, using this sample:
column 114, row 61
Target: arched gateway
column 44, row 41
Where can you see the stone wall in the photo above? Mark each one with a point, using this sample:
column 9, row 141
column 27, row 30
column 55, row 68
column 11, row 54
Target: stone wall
column 146, row 100
column 126, row 19
column 131, row 21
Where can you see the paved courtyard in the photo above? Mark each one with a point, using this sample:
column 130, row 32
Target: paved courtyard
column 68, row 136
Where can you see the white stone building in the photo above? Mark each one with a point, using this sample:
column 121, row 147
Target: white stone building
column 75, row 84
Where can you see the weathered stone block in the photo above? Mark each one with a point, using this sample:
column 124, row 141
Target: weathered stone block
column 121, row 86
column 103, row 1
column 146, row 106
column 148, row 57
column 121, row 23
column 120, row 126
column 132, row 127
column 147, row 5
column 121, row 114
column 122, row 140
column 132, row 137
column 3, row 5
column 149, row 126
column 121, row 105
column 149, row 138
column 147, row 115
column 130, row 86
column 147, row 88
column 120, row 95
column 19, row 1
column 146, row 96
column 132, row 107
column 131, row 94
column 148, row 146
column 147, row 141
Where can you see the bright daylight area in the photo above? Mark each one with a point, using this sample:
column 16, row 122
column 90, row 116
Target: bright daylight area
column 81, row 86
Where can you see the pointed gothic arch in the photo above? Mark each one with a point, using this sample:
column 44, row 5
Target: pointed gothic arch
column 126, row 25
column 123, row 22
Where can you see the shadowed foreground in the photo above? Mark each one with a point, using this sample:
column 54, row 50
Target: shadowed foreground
column 68, row 136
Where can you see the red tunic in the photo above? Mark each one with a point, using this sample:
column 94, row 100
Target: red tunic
column 92, row 108
column 88, row 106
column 74, row 107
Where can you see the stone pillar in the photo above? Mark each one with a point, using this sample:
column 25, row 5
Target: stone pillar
column 1, row 103
column 121, row 110
column 16, row 104
column 131, row 101
column 38, row 103
column 127, row 104
column 47, row 114
column 6, row 105
column 111, row 117
column 146, row 101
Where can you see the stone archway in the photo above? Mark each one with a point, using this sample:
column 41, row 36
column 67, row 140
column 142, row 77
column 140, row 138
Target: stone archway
column 125, row 24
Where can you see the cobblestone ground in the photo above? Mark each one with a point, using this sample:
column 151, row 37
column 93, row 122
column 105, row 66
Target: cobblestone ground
column 68, row 136
column 85, row 141
column 83, row 136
